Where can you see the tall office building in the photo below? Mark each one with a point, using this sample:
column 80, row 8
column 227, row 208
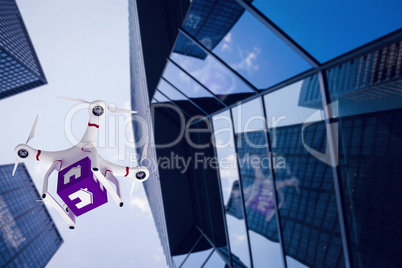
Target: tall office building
column 28, row 235
column 279, row 145
column 20, row 69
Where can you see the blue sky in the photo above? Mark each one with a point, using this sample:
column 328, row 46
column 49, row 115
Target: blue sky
column 84, row 52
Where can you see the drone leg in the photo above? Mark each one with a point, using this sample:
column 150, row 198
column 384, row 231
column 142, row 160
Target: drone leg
column 110, row 177
column 55, row 166
column 95, row 169
column 69, row 217
column 116, row 198
column 94, row 159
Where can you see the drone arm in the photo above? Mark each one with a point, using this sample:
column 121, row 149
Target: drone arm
column 110, row 177
column 55, row 166
column 123, row 171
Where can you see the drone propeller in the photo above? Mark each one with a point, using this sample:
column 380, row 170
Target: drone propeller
column 111, row 108
column 132, row 188
column 119, row 110
column 31, row 135
column 73, row 99
column 15, row 166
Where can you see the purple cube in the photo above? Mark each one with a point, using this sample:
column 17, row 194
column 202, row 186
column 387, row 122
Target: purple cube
column 79, row 189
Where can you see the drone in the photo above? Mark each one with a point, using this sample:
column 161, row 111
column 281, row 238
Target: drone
column 84, row 177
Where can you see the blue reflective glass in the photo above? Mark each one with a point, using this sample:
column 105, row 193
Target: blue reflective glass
column 215, row 261
column 160, row 97
column 178, row 98
column 327, row 29
column 196, row 259
column 191, row 89
column 366, row 93
column 257, row 183
column 230, row 186
column 304, row 179
column 259, row 55
column 212, row 74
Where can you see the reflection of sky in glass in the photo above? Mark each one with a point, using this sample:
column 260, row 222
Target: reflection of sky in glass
column 257, row 185
column 178, row 260
column 248, row 116
column 185, row 83
column 214, row 261
column 160, row 97
column 168, row 90
column 196, row 259
column 258, row 54
column 236, row 227
column 327, row 29
column 212, row 74
column 280, row 108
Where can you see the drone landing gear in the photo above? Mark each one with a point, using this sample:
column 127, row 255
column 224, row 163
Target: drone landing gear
column 95, row 169
column 65, row 213
column 110, row 177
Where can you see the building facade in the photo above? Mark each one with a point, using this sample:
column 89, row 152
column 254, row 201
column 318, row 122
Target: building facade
column 28, row 235
column 278, row 145
column 20, row 69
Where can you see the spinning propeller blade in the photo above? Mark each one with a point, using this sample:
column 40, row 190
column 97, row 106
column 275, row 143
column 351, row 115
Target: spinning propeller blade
column 73, row 99
column 132, row 188
column 15, row 166
column 31, row 135
column 144, row 152
column 113, row 109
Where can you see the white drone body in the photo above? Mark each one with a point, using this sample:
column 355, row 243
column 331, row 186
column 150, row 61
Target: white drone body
column 103, row 170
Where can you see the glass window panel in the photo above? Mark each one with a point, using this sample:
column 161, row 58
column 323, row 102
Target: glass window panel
column 258, row 54
column 225, row 150
column 160, row 97
column 196, row 259
column 256, row 178
column 215, row 261
column 327, row 29
column 178, row 260
column 213, row 75
column 304, row 182
column 178, row 98
column 169, row 107
column 368, row 95
column 191, row 89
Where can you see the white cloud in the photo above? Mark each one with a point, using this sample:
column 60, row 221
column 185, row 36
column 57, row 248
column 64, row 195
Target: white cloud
column 140, row 203
column 226, row 41
column 228, row 38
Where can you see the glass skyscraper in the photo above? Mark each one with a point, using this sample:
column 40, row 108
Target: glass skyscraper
column 277, row 132
column 28, row 235
column 20, row 69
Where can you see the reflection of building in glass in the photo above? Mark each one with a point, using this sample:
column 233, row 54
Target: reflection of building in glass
column 305, row 236
column 28, row 236
column 364, row 84
column 309, row 217
column 19, row 66
column 312, row 196
column 209, row 21
column 370, row 159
